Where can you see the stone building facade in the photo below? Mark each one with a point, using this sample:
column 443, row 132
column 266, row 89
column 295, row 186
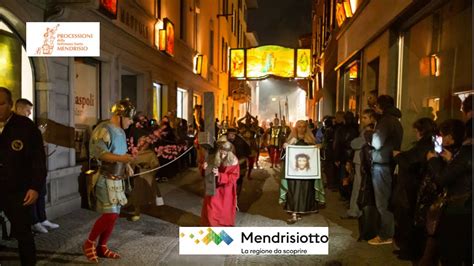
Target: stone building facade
column 72, row 94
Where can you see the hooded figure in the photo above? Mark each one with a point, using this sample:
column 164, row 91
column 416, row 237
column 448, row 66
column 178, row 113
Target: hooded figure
column 219, row 209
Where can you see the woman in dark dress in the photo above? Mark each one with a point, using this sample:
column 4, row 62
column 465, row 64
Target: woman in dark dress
column 300, row 195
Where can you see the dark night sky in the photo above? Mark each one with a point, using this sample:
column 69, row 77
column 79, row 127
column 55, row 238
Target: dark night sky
column 280, row 22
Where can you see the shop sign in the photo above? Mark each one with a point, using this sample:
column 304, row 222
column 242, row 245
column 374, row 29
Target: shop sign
column 85, row 104
column 135, row 22
column 86, row 91
column 63, row 39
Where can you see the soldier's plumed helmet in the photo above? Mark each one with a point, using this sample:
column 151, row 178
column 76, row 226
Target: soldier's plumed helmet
column 123, row 108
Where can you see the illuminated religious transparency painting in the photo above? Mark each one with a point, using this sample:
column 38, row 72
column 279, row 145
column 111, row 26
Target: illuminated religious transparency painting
column 169, row 26
column 237, row 63
column 10, row 68
column 270, row 60
column 303, row 63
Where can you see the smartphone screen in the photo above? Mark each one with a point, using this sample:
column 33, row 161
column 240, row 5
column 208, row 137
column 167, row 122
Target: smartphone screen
column 438, row 143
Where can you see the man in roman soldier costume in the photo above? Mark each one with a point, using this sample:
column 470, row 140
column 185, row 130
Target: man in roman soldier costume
column 248, row 131
column 108, row 145
column 259, row 132
column 276, row 139
column 285, row 129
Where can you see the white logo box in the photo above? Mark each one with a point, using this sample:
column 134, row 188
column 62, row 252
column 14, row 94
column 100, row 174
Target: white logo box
column 63, row 39
column 253, row 241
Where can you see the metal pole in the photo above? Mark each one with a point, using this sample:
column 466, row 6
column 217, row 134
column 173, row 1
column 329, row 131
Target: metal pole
column 279, row 107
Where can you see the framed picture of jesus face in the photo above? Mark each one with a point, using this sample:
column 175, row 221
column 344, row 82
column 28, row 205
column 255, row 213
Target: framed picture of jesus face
column 302, row 162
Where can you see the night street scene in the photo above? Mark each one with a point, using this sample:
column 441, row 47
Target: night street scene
column 236, row 132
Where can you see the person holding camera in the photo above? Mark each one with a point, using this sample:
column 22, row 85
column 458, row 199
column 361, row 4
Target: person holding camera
column 449, row 219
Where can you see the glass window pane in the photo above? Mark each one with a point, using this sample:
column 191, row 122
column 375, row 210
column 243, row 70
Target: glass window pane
column 437, row 64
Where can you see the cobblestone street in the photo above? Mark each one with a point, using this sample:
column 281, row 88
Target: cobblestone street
column 378, row 92
column 153, row 239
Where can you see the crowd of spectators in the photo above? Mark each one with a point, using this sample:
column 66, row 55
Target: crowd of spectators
column 419, row 198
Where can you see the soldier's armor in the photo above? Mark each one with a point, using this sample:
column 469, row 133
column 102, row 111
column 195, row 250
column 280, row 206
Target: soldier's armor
column 275, row 136
column 223, row 129
column 285, row 132
column 259, row 132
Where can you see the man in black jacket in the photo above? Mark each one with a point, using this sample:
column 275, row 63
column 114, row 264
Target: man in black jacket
column 242, row 151
column 22, row 173
column 387, row 138
column 343, row 152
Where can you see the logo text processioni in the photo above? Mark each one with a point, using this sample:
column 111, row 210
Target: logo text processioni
column 64, row 39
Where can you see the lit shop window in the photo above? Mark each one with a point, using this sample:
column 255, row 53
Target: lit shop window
column 182, row 106
column 156, row 100
column 437, row 67
column 196, row 100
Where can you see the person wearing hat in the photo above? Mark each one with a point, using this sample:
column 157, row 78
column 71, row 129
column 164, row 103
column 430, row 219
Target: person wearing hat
column 108, row 145
column 220, row 209
column 276, row 139
column 242, row 151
